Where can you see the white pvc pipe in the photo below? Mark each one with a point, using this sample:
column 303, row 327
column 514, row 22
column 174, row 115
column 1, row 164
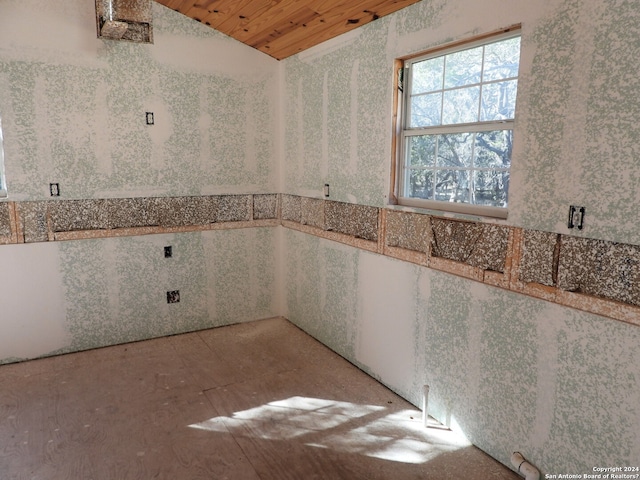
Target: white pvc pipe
column 425, row 405
column 525, row 468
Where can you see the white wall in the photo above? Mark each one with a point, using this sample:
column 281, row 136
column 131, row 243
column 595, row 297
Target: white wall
column 73, row 112
column 512, row 372
column 31, row 328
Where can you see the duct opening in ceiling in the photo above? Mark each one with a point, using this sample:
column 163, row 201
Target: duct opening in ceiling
column 129, row 20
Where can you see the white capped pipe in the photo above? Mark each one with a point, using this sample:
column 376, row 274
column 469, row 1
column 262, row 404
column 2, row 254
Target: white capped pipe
column 425, row 405
column 524, row 468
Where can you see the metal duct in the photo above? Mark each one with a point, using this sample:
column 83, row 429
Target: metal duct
column 129, row 20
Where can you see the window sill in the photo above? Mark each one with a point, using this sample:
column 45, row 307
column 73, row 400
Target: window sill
column 464, row 208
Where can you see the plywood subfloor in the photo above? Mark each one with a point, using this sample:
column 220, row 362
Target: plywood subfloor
column 260, row 400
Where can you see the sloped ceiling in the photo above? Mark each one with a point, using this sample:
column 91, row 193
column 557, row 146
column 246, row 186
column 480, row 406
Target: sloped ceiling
column 281, row 28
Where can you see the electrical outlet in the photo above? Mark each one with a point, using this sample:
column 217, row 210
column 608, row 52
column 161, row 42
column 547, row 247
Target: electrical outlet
column 576, row 217
column 149, row 116
column 168, row 252
column 173, row 296
column 54, row 189
column 326, row 190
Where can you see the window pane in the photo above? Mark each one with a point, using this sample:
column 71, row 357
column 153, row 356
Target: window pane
column 499, row 100
column 493, row 149
column 422, row 151
column 421, row 184
column 461, row 106
column 454, row 150
column 490, row 188
column 427, row 75
column 425, row 110
column 501, row 60
column 452, row 186
column 463, row 68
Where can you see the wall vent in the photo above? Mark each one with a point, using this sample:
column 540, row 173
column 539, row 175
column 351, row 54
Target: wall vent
column 129, row 20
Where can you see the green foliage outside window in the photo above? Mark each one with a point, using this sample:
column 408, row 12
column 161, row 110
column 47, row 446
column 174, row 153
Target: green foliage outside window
column 458, row 118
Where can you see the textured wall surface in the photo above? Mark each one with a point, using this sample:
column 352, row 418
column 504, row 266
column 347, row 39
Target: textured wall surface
column 538, row 257
column 119, row 285
column 600, row 268
column 74, row 107
column 512, row 371
column 73, row 112
column 595, row 276
column 578, row 143
column 265, row 207
column 476, row 244
column 408, row 230
column 5, row 220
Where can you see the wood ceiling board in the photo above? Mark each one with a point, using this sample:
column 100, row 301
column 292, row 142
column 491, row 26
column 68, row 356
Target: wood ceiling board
column 183, row 6
column 223, row 11
column 205, row 3
column 197, row 13
column 279, row 17
column 329, row 26
column 241, row 20
column 172, row 4
column 272, row 23
column 240, row 14
column 281, row 28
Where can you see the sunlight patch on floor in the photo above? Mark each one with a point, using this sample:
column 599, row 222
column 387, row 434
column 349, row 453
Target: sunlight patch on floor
column 369, row 430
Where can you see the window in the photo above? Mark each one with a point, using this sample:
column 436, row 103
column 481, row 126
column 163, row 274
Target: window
column 3, row 186
column 456, row 132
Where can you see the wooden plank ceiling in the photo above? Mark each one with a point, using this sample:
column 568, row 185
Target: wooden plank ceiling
column 281, row 28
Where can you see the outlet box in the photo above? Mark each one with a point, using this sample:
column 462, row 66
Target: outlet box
column 576, row 217
column 168, row 252
column 173, row 296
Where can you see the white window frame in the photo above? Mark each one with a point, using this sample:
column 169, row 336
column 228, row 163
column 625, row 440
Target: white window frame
column 402, row 133
column 3, row 184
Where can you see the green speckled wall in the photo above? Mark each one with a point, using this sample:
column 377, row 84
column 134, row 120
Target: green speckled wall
column 512, row 372
column 74, row 108
column 116, row 288
column 74, row 113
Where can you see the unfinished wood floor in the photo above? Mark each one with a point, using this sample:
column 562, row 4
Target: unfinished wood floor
column 260, row 400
